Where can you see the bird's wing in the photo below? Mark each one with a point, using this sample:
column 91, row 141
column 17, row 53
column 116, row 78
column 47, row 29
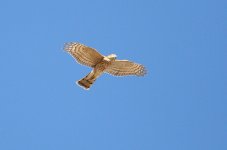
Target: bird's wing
column 125, row 67
column 83, row 54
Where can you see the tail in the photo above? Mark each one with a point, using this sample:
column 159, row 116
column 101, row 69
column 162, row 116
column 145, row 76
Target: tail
column 87, row 81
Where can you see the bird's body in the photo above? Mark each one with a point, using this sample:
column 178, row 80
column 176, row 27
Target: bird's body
column 100, row 64
column 98, row 70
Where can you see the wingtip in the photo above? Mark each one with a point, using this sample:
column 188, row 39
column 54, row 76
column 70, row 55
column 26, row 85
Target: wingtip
column 142, row 72
column 68, row 46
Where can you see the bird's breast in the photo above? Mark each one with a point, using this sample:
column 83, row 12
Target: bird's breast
column 102, row 65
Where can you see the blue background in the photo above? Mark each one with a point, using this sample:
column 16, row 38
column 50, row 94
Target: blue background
column 180, row 104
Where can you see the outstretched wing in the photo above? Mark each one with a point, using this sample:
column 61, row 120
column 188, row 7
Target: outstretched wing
column 83, row 54
column 125, row 67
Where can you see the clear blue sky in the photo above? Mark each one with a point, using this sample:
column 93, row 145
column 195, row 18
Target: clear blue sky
column 180, row 105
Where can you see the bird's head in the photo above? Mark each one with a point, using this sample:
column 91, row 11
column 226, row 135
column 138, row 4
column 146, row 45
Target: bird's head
column 112, row 56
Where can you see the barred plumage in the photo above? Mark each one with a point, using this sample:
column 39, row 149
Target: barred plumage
column 83, row 54
column 100, row 64
column 125, row 67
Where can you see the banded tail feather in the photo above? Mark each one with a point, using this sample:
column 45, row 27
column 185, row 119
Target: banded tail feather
column 87, row 81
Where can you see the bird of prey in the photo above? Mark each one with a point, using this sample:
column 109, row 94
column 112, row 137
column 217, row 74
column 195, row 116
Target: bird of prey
column 99, row 63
